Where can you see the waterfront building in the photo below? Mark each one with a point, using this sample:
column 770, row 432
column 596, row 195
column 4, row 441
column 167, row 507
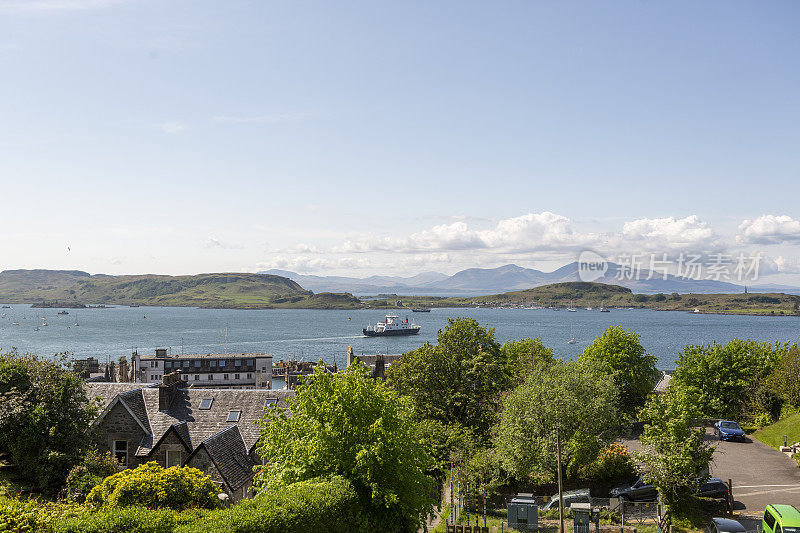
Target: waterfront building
column 234, row 371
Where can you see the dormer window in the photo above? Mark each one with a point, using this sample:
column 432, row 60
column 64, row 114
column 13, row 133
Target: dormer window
column 205, row 403
column 233, row 416
column 271, row 402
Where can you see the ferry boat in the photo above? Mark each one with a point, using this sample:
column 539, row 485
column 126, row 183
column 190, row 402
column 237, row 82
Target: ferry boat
column 391, row 326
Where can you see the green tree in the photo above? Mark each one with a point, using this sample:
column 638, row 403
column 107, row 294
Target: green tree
column 459, row 380
column 578, row 399
column 718, row 377
column 677, row 452
column 351, row 426
column 785, row 374
column 634, row 371
column 524, row 355
column 44, row 417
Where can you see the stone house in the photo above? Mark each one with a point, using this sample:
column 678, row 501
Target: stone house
column 214, row 430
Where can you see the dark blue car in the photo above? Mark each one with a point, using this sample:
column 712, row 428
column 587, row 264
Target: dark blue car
column 729, row 430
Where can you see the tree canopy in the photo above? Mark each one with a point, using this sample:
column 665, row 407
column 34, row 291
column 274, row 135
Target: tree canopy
column 677, row 452
column 577, row 399
column 716, row 376
column 45, row 417
column 634, row 371
column 524, row 355
column 351, row 426
column 459, row 380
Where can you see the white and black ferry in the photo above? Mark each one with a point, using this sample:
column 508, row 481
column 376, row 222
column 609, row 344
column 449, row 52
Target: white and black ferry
column 391, row 326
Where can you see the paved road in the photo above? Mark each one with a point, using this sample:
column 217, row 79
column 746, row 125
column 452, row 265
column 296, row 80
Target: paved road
column 760, row 474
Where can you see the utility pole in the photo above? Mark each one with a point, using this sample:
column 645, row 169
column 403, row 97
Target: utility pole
column 560, row 485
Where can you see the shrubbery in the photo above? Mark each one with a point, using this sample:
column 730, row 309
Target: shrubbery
column 94, row 468
column 44, row 418
column 331, row 505
column 155, row 487
column 16, row 516
column 613, row 464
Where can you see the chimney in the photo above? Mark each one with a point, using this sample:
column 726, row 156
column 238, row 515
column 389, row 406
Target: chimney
column 380, row 368
column 166, row 391
column 349, row 356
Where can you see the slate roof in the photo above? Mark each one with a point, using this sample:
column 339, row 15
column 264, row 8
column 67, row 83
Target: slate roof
column 229, row 453
column 106, row 391
column 192, row 424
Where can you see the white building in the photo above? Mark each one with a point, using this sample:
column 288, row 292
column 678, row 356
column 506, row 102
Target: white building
column 234, row 371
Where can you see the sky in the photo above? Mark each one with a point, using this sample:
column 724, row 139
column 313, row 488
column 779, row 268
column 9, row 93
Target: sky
column 359, row 138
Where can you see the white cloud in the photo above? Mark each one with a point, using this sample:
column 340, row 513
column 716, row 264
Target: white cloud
column 527, row 233
column 785, row 265
column 211, row 243
column 668, row 235
column 769, row 229
column 304, row 264
column 172, row 127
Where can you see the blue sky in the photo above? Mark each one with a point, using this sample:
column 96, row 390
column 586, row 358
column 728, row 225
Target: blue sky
column 395, row 137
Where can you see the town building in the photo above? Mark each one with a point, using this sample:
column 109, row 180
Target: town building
column 235, row 371
column 214, row 430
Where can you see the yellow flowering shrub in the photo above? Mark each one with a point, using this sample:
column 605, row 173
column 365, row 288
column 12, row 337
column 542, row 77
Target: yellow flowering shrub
column 155, row 487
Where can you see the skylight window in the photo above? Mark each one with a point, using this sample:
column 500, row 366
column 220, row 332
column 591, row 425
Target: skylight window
column 233, row 416
column 270, row 403
column 205, row 403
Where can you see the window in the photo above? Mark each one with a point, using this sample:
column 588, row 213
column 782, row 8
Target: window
column 173, row 458
column 186, row 364
column 238, row 362
column 167, row 364
column 233, row 416
column 221, row 362
column 185, row 377
column 213, row 362
column 196, row 377
column 225, row 376
column 121, row 451
column 210, row 377
column 769, row 519
column 196, row 363
column 271, row 402
column 249, row 376
column 263, row 369
column 237, row 376
column 205, row 403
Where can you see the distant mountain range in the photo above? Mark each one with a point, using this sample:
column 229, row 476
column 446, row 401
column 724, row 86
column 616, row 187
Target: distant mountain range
column 481, row 281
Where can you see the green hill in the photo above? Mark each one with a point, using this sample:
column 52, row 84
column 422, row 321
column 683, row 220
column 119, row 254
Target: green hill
column 584, row 294
column 224, row 290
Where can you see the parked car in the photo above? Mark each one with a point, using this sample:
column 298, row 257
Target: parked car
column 725, row 525
column 781, row 519
column 729, row 430
column 570, row 497
column 640, row 491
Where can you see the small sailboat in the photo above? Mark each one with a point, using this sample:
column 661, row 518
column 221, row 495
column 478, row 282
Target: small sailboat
column 572, row 340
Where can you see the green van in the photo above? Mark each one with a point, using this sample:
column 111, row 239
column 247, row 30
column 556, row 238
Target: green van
column 780, row 518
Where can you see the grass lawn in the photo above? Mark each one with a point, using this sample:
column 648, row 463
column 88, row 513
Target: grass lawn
column 773, row 435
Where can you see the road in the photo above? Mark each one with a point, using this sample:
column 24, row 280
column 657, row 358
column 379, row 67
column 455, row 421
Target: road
column 760, row 474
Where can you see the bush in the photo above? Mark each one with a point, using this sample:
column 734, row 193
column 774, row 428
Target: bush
column 137, row 519
column 154, row 487
column 84, row 477
column 613, row 464
column 16, row 516
column 330, row 505
column 45, row 418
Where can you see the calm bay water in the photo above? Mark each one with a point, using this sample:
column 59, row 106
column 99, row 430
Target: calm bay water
column 310, row 335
